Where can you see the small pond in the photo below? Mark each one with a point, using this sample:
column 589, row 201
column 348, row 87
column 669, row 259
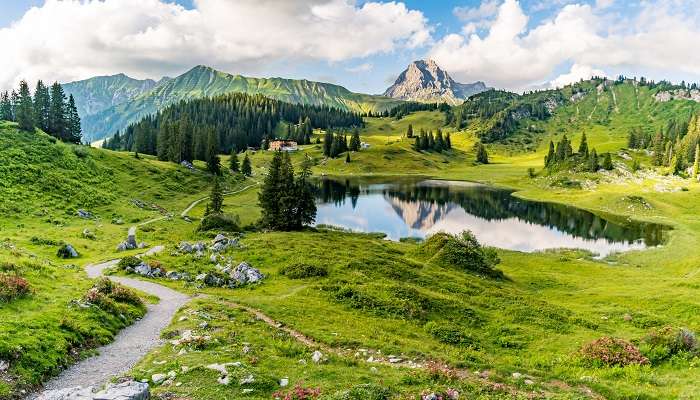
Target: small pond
column 403, row 208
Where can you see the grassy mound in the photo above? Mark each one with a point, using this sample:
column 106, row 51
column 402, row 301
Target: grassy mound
column 460, row 251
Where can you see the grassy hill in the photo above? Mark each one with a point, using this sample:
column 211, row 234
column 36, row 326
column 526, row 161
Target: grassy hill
column 203, row 81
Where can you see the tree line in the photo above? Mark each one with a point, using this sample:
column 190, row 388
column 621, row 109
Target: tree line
column 48, row 109
column 427, row 141
column 335, row 144
column 675, row 146
column 562, row 156
column 195, row 129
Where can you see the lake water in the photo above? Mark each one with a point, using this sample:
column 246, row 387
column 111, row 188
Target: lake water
column 417, row 208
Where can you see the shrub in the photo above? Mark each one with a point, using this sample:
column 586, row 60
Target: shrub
column 12, row 287
column 129, row 261
column 608, row 351
column 221, row 222
column 448, row 334
column 364, row 392
column 662, row 344
column 105, row 293
column 298, row 393
column 301, row 271
column 43, row 241
column 462, row 251
column 125, row 295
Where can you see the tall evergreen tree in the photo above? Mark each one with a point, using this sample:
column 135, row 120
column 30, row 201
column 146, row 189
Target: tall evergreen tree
column 607, row 162
column 25, row 108
column 696, row 163
column 355, row 142
column 247, row 167
column 57, row 113
column 593, row 165
column 550, row 158
column 216, row 199
column 306, row 205
column 583, row 147
column 42, row 105
column 328, row 143
column 213, row 161
column 268, row 198
column 482, row 156
column 409, row 131
column 74, row 131
column 233, row 162
column 6, row 107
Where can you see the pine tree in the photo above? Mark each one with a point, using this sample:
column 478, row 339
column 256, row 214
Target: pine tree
column 246, row 167
column 328, row 143
column 482, row 156
column 268, row 198
column 583, row 147
column 306, row 205
column 607, row 162
column 593, row 165
column 42, row 105
column 448, row 141
column 550, row 158
column 658, row 150
column 355, row 142
column 409, row 131
column 57, row 113
column 233, row 162
column 216, row 202
column 6, row 107
column 347, row 158
column 75, row 134
column 213, row 161
column 25, row 108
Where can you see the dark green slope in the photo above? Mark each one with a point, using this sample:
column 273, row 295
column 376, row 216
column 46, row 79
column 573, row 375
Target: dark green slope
column 203, row 81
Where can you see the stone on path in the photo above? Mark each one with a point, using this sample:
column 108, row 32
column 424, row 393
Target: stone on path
column 129, row 390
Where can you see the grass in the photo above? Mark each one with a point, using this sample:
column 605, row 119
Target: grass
column 378, row 295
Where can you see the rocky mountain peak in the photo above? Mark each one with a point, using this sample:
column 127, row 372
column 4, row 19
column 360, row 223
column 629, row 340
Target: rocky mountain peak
column 424, row 80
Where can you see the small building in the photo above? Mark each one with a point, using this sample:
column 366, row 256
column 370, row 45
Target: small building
column 364, row 145
column 283, row 145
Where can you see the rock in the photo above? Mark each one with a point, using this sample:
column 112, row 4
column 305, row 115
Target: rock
column 4, row 365
column 248, row 379
column 244, row 274
column 317, row 357
column 627, row 317
column 84, row 214
column 122, row 246
column 187, row 164
column 74, row 393
column 395, row 360
column 213, row 280
column 219, row 238
column 118, row 221
column 130, row 390
column 221, row 243
column 224, row 380
column 131, row 238
column 143, row 269
column 158, row 378
column 88, row 234
column 142, row 245
column 173, row 275
column 517, row 375
column 213, row 258
column 528, row 382
column 67, row 251
column 284, row 382
column 200, row 277
column 199, row 246
column 185, row 247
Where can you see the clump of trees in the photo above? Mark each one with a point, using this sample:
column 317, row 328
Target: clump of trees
column 286, row 200
column 196, row 129
column 335, row 144
column 482, row 156
column 562, row 157
column 427, row 141
column 48, row 109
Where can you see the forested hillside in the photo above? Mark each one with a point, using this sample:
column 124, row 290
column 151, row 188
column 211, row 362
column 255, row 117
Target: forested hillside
column 187, row 130
column 203, row 82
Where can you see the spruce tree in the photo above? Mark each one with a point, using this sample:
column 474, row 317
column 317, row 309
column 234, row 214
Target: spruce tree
column 75, row 132
column 233, row 162
column 607, row 162
column 306, row 205
column 328, row 143
column 57, row 113
column 448, row 141
column 246, row 167
column 347, row 158
column 482, row 156
column 583, row 147
column 213, row 161
column 6, row 107
column 216, row 202
column 25, row 108
column 550, row 158
column 268, row 198
column 42, row 105
column 696, row 163
column 409, row 131
column 659, row 150
column 593, row 165
column 355, row 142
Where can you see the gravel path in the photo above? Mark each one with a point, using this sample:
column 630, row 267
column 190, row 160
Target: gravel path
column 131, row 344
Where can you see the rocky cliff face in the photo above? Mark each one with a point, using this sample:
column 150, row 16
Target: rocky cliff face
column 425, row 81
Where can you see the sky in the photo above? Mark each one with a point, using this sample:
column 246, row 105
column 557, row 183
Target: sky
column 360, row 44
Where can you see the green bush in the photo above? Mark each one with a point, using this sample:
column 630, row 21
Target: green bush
column 449, row 334
column 302, row 271
column 662, row 344
column 366, row 391
column 461, row 251
column 220, row 222
column 129, row 261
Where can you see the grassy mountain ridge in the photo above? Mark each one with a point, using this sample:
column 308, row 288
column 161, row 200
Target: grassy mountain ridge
column 101, row 92
column 203, row 81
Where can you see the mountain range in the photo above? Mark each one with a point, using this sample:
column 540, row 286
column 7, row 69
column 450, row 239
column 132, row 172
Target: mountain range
column 108, row 104
column 425, row 81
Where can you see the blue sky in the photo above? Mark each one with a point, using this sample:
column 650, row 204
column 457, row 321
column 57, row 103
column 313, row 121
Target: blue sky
column 510, row 44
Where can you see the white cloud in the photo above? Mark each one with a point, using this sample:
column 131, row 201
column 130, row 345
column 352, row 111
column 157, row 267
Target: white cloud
column 486, row 9
column 513, row 55
column 365, row 67
column 73, row 39
column 576, row 73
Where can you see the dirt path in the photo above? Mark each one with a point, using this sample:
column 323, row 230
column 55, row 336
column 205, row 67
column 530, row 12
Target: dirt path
column 131, row 344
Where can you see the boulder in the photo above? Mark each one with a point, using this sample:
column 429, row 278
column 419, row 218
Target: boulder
column 185, row 247
column 173, row 275
column 187, row 164
column 199, row 246
column 67, row 251
column 317, row 357
column 244, row 274
column 4, row 365
column 130, row 242
column 221, row 243
column 84, row 214
column 88, row 234
column 73, row 393
column 129, row 390
column 143, row 269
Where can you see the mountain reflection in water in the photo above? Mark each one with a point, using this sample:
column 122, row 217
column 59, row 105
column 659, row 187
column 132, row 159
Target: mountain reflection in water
column 406, row 208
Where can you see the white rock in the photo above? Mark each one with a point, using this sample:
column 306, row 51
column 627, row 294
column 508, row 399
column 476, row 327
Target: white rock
column 4, row 365
column 317, row 357
column 395, row 360
column 224, row 380
column 248, row 379
column 528, row 382
column 517, row 375
column 284, row 382
column 158, row 378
